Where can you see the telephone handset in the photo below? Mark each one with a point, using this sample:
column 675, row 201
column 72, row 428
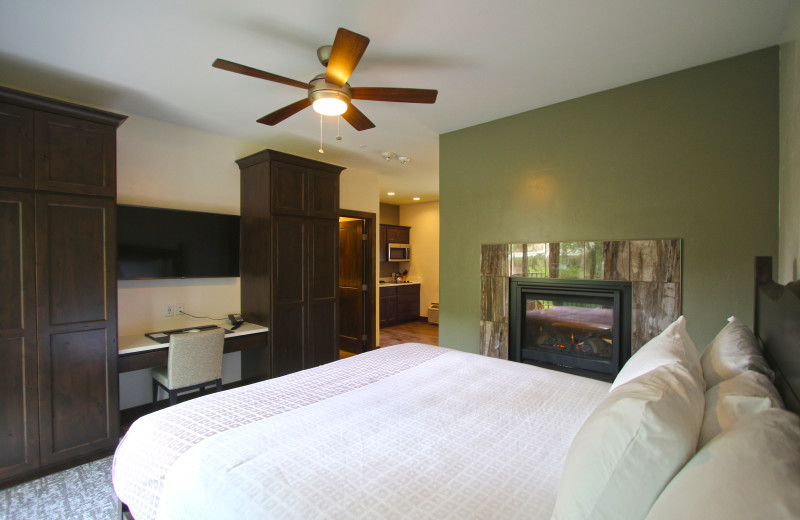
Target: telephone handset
column 236, row 320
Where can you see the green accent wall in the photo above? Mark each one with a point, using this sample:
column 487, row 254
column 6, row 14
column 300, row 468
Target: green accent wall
column 690, row 155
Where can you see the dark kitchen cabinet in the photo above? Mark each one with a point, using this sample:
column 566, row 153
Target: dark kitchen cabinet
column 407, row 302
column 398, row 304
column 290, row 257
column 58, row 320
column 390, row 234
column 388, row 306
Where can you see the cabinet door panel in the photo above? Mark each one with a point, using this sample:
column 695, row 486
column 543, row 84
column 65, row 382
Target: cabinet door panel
column 288, row 186
column 77, row 328
column 289, row 294
column 76, row 375
column 407, row 311
column 19, row 450
column 408, row 293
column 396, row 235
column 77, row 280
column 323, row 326
column 289, row 252
column 322, row 333
column 75, row 156
column 288, row 337
column 16, row 146
column 383, row 244
column 323, row 194
column 388, row 310
column 323, row 259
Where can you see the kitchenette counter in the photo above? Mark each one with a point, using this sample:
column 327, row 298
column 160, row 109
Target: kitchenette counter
column 394, row 284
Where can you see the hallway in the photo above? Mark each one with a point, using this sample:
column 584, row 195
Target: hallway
column 411, row 332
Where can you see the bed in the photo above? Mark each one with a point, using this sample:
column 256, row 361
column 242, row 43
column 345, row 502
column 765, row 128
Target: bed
column 416, row 431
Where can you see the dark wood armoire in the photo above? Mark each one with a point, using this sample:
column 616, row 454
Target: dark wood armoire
column 290, row 258
column 58, row 294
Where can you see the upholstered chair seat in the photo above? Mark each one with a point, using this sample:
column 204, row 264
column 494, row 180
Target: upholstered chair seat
column 194, row 362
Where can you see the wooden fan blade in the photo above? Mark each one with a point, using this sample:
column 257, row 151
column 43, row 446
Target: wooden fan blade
column 282, row 113
column 357, row 118
column 348, row 47
column 250, row 71
column 399, row 95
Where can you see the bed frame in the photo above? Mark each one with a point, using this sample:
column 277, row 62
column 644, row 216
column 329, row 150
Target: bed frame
column 777, row 324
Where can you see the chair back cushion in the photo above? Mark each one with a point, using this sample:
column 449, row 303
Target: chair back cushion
column 195, row 357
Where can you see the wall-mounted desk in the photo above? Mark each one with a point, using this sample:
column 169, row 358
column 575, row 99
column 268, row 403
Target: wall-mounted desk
column 139, row 352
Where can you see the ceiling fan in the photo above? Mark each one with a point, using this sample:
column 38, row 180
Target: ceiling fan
column 329, row 93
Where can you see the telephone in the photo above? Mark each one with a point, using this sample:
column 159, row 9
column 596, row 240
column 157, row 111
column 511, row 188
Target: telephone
column 236, row 320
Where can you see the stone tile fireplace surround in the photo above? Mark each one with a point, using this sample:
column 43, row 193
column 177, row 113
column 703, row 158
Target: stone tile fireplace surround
column 652, row 266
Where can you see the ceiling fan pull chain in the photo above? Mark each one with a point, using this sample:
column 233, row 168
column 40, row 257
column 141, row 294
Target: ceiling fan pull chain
column 320, row 136
column 338, row 132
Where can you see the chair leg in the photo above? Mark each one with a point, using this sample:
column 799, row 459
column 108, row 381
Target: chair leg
column 219, row 385
column 173, row 397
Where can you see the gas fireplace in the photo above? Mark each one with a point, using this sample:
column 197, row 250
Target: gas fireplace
column 577, row 326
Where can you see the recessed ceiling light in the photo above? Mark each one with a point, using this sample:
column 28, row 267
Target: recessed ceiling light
column 416, row 198
column 390, row 193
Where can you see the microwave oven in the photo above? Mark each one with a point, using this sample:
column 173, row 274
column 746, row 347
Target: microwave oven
column 398, row 253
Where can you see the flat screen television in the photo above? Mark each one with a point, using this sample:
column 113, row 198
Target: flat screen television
column 170, row 243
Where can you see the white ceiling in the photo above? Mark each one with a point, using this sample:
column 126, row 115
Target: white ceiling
column 488, row 59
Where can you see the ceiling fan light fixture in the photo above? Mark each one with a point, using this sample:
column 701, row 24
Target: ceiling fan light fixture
column 330, row 106
column 328, row 99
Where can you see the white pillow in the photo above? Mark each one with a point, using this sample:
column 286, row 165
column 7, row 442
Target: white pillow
column 630, row 447
column 734, row 350
column 750, row 471
column 745, row 394
column 674, row 344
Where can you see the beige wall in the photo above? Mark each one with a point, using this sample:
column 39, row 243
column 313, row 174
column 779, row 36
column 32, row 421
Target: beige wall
column 691, row 155
column 165, row 165
column 424, row 266
column 790, row 149
column 390, row 214
column 360, row 191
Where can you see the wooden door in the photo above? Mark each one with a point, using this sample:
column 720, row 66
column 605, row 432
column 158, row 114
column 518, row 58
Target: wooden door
column 352, row 305
column 19, row 421
column 76, row 323
column 16, row 146
column 75, row 156
column 289, row 292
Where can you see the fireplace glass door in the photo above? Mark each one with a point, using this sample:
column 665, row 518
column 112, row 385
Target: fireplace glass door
column 579, row 326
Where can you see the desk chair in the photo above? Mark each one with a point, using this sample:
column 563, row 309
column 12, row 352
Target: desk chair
column 194, row 362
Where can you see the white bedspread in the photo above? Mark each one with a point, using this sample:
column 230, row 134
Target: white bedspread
column 409, row 431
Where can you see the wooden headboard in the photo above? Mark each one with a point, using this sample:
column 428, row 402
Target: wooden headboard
column 777, row 324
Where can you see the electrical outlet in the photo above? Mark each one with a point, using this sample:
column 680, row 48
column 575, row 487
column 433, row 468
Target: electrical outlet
column 178, row 309
column 169, row 310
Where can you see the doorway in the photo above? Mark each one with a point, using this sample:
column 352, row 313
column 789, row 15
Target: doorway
column 356, row 281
